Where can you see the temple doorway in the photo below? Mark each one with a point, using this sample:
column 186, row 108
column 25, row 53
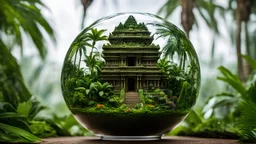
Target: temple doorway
column 131, row 61
column 131, row 84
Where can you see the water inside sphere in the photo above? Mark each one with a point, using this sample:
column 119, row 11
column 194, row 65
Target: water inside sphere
column 130, row 76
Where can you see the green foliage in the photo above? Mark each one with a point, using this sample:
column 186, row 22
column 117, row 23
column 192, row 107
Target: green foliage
column 87, row 91
column 122, row 94
column 141, row 95
column 130, row 23
column 182, row 97
column 63, row 125
column 16, row 107
column 24, row 119
column 180, row 85
column 11, row 133
column 158, row 100
column 96, row 35
column 94, row 64
column 42, row 129
column 247, row 122
column 18, row 19
column 240, row 106
column 30, row 108
column 232, row 79
column 12, row 87
column 206, row 10
column 14, row 125
column 24, row 16
column 196, row 125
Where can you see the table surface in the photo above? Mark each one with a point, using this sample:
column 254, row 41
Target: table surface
column 165, row 140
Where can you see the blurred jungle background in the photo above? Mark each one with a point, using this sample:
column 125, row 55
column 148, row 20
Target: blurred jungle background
column 36, row 34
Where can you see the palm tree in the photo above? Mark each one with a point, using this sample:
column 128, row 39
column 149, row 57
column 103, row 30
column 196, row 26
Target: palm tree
column 79, row 46
column 96, row 36
column 188, row 18
column 88, row 38
column 206, row 10
column 163, row 64
column 177, row 42
column 94, row 64
column 243, row 13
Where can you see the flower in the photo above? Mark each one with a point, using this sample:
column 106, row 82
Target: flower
column 100, row 105
column 127, row 110
column 150, row 105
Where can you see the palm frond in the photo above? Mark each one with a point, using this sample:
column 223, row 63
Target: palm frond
column 169, row 7
column 11, row 81
column 247, row 121
column 25, row 15
column 233, row 80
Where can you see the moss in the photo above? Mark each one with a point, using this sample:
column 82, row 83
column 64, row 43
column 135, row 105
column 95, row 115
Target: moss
column 127, row 112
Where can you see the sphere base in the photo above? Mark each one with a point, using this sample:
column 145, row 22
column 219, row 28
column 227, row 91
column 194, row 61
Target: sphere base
column 129, row 138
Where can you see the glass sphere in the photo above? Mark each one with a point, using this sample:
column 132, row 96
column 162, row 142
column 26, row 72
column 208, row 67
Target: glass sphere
column 130, row 75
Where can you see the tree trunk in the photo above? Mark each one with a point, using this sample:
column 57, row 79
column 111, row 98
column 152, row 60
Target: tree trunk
column 238, row 46
column 242, row 15
column 86, row 4
column 248, row 68
column 187, row 16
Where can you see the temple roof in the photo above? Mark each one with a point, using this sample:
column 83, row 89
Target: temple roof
column 131, row 25
column 130, row 21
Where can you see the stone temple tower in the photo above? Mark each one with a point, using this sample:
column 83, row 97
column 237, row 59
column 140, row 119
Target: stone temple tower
column 131, row 58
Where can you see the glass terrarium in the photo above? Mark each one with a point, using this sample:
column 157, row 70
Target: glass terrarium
column 130, row 76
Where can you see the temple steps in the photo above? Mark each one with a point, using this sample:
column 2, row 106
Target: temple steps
column 131, row 99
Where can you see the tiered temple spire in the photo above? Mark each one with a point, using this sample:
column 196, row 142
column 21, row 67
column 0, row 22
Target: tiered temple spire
column 131, row 58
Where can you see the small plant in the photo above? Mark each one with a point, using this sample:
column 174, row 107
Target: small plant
column 141, row 95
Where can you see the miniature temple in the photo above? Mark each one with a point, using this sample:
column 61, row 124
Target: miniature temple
column 131, row 58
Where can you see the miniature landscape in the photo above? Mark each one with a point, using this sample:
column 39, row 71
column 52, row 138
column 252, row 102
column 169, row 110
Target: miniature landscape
column 131, row 80
column 124, row 78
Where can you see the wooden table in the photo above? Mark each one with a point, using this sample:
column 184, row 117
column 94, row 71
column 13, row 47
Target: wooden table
column 165, row 140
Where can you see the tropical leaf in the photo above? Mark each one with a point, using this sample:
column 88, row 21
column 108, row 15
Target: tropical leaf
column 35, row 109
column 24, row 108
column 12, row 115
column 6, row 107
column 101, row 93
column 11, row 82
column 251, row 93
column 232, row 79
column 25, row 15
column 247, row 121
column 23, row 135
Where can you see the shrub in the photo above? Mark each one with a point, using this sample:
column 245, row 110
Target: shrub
column 142, row 98
column 122, row 94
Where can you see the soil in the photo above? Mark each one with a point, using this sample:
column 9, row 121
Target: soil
column 130, row 124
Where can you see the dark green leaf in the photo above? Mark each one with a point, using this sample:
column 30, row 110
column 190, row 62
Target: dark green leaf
column 20, row 133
